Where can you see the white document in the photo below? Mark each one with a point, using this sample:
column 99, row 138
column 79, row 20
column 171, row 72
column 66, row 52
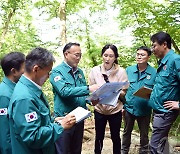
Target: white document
column 111, row 100
column 108, row 93
column 80, row 114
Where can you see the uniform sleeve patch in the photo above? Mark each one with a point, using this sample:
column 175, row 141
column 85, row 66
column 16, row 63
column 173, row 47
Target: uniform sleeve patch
column 31, row 116
column 57, row 78
column 3, row 111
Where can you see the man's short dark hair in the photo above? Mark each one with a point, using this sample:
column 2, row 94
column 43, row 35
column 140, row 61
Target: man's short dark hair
column 38, row 56
column 12, row 60
column 69, row 45
column 162, row 37
column 148, row 50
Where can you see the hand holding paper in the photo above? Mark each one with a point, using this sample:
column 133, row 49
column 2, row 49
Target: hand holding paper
column 93, row 88
column 75, row 116
column 80, row 114
column 67, row 122
column 94, row 102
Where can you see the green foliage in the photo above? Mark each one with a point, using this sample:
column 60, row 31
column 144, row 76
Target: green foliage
column 148, row 17
column 51, row 7
column 47, row 89
column 175, row 129
column 18, row 33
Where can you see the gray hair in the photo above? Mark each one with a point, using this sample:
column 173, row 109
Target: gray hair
column 38, row 56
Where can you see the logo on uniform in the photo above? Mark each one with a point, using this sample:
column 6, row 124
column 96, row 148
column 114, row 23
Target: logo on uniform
column 57, row 78
column 3, row 111
column 80, row 76
column 148, row 77
column 164, row 67
column 31, row 116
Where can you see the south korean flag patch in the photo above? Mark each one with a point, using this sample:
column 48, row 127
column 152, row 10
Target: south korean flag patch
column 31, row 116
column 57, row 78
column 3, row 111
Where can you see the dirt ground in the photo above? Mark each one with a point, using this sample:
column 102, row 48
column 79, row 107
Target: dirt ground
column 89, row 135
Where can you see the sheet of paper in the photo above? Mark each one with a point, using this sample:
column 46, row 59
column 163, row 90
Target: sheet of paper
column 143, row 92
column 111, row 100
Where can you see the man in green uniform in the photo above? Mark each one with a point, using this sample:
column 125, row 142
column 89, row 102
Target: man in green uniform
column 31, row 127
column 136, row 108
column 165, row 96
column 13, row 66
column 70, row 90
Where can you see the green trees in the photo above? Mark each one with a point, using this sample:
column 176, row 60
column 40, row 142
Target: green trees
column 17, row 31
column 148, row 17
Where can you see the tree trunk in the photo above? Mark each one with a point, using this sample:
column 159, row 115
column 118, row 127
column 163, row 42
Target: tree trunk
column 88, row 44
column 62, row 16
column 6, row 26
column 175, row 46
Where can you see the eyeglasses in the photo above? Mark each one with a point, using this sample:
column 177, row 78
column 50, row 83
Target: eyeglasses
column 77, row 55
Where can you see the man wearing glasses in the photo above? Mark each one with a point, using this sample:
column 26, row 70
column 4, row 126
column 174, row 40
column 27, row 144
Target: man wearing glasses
column 70, row 91
column 136, row 108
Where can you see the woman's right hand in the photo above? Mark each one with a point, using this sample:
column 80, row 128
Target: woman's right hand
column 93, row 87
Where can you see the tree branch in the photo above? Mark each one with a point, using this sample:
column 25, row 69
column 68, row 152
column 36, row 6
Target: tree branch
column 175, row 46
column 6, row 26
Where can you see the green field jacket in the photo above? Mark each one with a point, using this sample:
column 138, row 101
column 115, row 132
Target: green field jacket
column 6, row 90
column 167, row 83
column 70, row 90
column 31, row 127
column 136, row 105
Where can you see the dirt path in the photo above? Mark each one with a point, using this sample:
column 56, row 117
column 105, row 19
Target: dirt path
column 89, row 135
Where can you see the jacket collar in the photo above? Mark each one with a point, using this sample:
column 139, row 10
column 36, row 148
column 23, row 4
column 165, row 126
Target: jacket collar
column 147, row 70
column 9, row 82
column 31, row 86
column 166, row 57
column 68, row 68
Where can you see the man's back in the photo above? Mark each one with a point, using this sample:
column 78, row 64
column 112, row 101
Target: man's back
column 6, row 90
column 30, row 121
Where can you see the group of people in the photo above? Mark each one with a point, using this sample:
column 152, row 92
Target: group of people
column 27, row 125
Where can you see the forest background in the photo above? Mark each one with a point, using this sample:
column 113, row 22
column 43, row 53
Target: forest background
column 93, row 23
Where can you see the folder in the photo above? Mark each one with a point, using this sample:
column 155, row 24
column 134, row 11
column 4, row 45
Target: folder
column 143, row 92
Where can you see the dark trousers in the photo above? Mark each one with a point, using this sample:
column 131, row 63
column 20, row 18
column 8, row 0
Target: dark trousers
column 162, row 123
column 70, row 142
column 143, row 124
column 114, row 124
